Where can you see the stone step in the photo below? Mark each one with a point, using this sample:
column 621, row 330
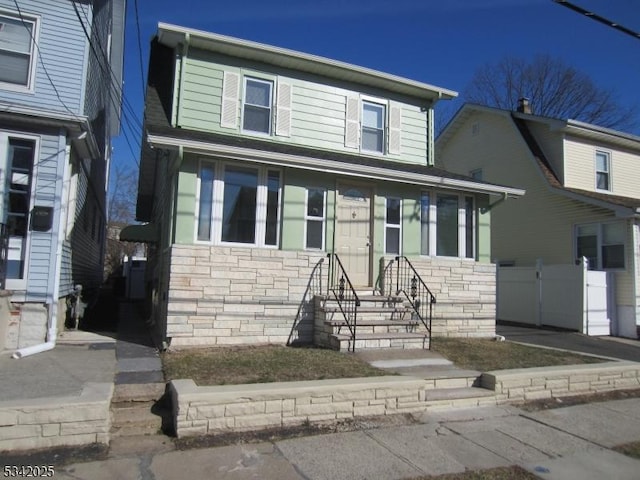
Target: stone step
column 374, row 322
column 370, row 298
column 403, row 340
column 138, row 392
column 464, row 397
column 383, row 310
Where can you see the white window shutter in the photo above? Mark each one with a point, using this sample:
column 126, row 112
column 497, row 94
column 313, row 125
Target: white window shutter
column 230, row 99
column 352, row 123
column 283, row 109
column 395, row 129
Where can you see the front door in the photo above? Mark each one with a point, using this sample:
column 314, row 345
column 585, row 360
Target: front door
column 353, row 232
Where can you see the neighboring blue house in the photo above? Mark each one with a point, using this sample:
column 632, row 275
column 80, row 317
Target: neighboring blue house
column 60, row 87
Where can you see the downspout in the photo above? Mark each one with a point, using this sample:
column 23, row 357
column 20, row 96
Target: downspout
column 180, row 83
column 52, row 331
column 496, row 203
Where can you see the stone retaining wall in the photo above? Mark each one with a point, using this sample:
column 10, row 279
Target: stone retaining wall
column 519, row 385
column 227, row 408
column 465, row 292
column 233, row 408
column 51, row 422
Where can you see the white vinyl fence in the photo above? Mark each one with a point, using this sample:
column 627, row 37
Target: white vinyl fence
column 565, row 296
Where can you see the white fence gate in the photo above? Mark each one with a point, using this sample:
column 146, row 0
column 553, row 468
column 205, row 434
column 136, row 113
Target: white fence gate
column 565, row 296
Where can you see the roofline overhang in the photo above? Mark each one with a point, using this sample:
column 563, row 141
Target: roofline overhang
column 328, row 166
column 174, row 35
column 619, row 210
column 77, row 126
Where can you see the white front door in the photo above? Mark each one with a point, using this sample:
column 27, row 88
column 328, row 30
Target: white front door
column 353, row 232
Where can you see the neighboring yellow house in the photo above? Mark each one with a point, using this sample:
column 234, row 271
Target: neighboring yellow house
column 583, row 193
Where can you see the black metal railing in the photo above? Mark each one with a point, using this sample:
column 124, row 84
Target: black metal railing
column 4, row 251
column 339, row 286
column 410, row 284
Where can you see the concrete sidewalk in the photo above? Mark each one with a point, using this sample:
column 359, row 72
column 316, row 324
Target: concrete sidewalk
column 566, row 443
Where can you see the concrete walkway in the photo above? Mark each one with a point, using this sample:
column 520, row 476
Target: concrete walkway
column 567, row 443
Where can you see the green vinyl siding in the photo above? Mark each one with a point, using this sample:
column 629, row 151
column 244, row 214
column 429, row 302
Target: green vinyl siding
column 186, row 200
column 318, row 109
column 295, row 187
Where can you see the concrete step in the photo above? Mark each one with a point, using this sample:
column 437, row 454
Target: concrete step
column 138, row 392
column 464, row 397
column 402, row 340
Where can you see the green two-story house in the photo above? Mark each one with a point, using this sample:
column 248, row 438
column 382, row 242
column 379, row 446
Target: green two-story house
column 259, row 161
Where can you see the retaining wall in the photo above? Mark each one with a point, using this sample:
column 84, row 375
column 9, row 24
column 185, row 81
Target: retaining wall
column 519, row 385
column 56, row 421
column 204, row 410
column 233, row 408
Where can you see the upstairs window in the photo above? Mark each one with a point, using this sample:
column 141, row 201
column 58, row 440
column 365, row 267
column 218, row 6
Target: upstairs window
column 373, row 119
column 603, row 180
column 373, row 125
column 256, row 107
column 16, row 50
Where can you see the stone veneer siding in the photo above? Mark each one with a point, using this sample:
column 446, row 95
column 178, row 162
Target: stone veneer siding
column 57, row 421
column 242, row 295
column 465, row 292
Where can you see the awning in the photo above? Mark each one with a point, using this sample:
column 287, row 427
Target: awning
column 146, row 233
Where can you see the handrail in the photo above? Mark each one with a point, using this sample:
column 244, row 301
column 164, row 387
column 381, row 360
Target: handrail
column 410, row 283
column 344, row 293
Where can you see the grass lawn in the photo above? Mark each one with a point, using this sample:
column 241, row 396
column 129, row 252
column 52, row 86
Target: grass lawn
column 500, row 473
column 630, row 449
column 272, row 363
column 485, row 355
column 262, row 364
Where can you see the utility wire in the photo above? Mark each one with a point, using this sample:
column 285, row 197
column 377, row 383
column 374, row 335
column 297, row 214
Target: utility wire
column 598, row 18
column 110, row 75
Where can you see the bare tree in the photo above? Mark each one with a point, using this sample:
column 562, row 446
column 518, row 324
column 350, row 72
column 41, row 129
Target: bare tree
column 554, row 90
column 122, row 204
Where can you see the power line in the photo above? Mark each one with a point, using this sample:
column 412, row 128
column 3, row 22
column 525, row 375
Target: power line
column 109, row 74
column 135, row 3
column 598, row 18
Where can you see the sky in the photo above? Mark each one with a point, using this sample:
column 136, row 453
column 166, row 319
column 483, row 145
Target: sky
column 438, row 42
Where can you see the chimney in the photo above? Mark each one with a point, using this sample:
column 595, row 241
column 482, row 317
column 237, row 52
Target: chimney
column 523, row 105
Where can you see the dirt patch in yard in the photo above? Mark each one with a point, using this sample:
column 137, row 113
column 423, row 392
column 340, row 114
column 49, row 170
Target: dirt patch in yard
column 560, row 402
